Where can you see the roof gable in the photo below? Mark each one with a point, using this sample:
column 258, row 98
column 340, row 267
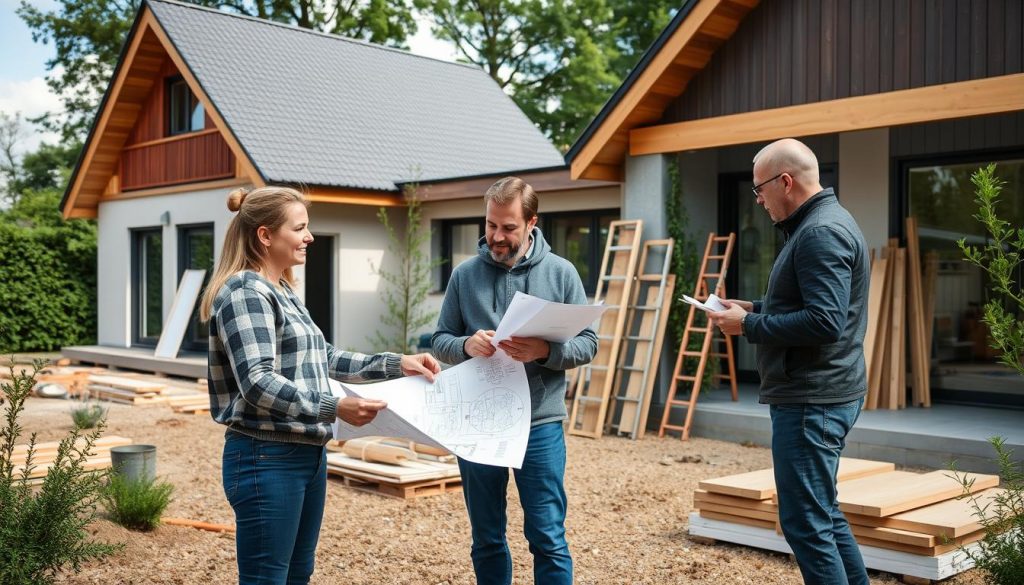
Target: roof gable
column 318, row 109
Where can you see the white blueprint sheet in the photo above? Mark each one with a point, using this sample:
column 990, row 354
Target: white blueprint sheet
column 529, row 316
column 478, row 410
column 712, row 305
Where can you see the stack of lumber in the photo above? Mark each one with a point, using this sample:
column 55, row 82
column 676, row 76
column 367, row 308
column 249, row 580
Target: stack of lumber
column 898, row 338
column 906, row 523
column 144, row 390
column 394, row 467
column 46, row 453
column 74, row 378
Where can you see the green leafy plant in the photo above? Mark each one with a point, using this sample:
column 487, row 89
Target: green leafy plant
column 43, row 529
column 1000, row 259
column 88, row 415
column 686, row 266
column 409, row 283
column 136, row 503
column 1000, row 554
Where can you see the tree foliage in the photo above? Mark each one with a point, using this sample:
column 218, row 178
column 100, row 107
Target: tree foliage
column 88, row 36
column 1001, row 259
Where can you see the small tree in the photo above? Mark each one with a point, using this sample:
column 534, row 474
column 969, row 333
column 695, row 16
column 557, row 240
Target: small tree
column 1000, row 259
column 1000, row 554
column 44, row 530
column 407, row 286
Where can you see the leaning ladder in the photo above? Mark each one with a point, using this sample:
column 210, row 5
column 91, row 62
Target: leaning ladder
column 641, row 344
column 594, row 380
column 713, row 268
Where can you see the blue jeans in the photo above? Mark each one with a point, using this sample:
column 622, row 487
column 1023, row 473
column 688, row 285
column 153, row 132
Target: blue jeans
column 806, row 442
column 277, row 491
column 542, row 494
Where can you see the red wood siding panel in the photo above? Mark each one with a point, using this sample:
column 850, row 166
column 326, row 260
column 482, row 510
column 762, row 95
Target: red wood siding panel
column 152, row 122
column 792, row 52
column 185, row 160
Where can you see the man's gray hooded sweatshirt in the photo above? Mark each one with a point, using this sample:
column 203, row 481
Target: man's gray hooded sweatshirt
column 477, row 296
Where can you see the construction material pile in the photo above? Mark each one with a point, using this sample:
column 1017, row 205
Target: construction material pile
column 45, row 453
column 907, row 523
column 394, row 467
column 143, row 390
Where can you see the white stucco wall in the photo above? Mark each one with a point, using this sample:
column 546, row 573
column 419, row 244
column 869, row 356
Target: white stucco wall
column 864, row 181
column 115, row 220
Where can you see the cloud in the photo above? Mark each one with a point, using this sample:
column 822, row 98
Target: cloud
column 30, row 98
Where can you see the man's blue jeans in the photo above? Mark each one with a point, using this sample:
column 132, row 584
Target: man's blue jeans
column 542, row 495
column 277, row 491
column 806, row 442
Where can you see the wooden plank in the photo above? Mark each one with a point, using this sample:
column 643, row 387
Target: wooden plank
column 405, row 472
column 919, row 350
column 895, row 385
column 875, row 291
column 898, row 491
column 702, row 496
column 951, row 518
column 749, row 513
column 910, row 106
column 760, row 484
column 737, row 519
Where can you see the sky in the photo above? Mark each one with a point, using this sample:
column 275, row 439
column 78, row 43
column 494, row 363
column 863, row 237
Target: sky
column 23, row 68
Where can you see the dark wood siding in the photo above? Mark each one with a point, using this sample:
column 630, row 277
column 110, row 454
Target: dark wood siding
column 790, row 52
column 1002, row 131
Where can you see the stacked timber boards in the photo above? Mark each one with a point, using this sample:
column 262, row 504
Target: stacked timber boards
column 411, row 478
column 138, row 390
column 45, row 453
column 906, row 523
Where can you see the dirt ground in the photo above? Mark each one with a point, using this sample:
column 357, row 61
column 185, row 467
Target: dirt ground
column 627, row 522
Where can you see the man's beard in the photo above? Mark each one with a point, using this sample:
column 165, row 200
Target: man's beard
column 513, row 251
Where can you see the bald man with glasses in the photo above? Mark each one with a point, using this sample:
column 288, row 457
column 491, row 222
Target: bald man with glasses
column 808, row 334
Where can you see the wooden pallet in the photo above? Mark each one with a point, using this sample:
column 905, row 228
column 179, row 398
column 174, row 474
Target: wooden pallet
column 406, row 491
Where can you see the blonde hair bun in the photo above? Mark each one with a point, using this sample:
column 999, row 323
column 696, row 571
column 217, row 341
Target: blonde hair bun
column 236, row 197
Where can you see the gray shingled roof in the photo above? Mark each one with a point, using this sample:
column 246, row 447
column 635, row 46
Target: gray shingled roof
column 324, row 110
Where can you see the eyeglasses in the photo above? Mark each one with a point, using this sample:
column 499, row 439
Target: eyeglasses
column 757, row 188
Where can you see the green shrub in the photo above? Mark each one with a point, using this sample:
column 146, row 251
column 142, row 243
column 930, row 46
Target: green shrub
column 136, row 503
column 48, row 271
column 43, row 530
column 1000, row 553
column 88, row 415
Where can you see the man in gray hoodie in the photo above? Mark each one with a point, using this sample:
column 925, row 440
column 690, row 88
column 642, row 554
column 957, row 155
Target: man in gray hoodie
column 513, row 256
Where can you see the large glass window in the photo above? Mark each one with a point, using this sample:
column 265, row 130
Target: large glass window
column 459, row 238
column 941, row 197
column 195, row 251
column 580, row 238
column 185, row 112
column 147, row 286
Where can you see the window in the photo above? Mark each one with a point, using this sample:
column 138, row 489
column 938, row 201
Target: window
column 940, row 195
column 580, row 238
column 459, row 239
column 195, row 251
column 147, row 286
column 185, row 112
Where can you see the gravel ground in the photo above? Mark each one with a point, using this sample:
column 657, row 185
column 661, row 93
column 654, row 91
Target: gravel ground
column 628, row 504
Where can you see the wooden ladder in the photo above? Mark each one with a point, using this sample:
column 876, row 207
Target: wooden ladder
column 711, row 278
column 640, row 352
column 594, row 380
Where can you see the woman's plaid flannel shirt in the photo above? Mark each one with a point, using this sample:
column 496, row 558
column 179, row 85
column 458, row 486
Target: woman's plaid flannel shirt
column 269, row 364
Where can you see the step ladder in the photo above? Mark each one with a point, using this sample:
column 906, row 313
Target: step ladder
column 711, row 278
column 640, row 351
column 615, row 281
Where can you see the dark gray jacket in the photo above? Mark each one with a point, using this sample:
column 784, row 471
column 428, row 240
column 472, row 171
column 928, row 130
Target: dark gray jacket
column 478, row 294
column 809, row 329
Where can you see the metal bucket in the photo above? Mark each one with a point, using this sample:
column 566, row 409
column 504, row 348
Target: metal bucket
column 134, row 462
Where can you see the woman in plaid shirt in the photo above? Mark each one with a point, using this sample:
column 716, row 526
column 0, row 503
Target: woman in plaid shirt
column 268, row 371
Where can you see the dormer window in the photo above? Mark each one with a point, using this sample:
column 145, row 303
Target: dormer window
column 184, row 111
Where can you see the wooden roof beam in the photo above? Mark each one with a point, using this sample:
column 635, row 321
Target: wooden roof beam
column 962, row 99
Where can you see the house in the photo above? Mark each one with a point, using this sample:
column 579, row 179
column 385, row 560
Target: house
column 204, row 101
column 900, row 100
